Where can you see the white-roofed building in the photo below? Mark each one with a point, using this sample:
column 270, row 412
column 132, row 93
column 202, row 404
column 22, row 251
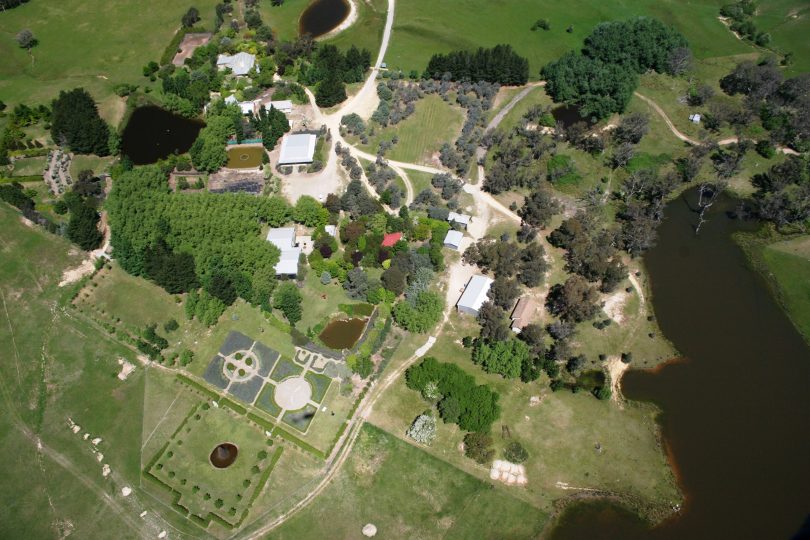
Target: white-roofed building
column 247, row 107
column 331, row 230
column 462, row 219
column 240, row 63
column 474, row 295
column 297, row 148
column 284, row 239
column 453, row 239
column 284, row 106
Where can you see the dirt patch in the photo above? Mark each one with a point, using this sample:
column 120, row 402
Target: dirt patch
column 615, row 369
column 188, row 45
column 614, row 306
column 126, row 369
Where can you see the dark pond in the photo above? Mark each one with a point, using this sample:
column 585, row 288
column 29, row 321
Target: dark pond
column 568, row 115
column 736, row 412
column 342, row 333
column 321, row 16
column 224, row 455
column 153, row 133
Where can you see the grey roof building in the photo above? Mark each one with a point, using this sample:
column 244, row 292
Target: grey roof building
column 297, row 148
column 453, row 239
column 474, row 296
column 284, row 239
column 240, row 63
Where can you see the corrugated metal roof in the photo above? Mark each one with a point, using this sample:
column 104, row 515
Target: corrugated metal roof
column 297, row 148
column 475, row 294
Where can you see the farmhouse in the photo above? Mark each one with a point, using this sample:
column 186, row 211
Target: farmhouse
column 474, row 296
column 240, row 64
column 453, row 239
column 390, row 239
column 297, row 148
column 284, row 239
column 461, row 219
column 246, row 106
column 523, row 313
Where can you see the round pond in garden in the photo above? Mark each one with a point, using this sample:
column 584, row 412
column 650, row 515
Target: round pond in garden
column 245, row 157
column 224, row 455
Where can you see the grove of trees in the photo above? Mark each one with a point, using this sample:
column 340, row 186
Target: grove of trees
column 75, row 123
column 499, row 64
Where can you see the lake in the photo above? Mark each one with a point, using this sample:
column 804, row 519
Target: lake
column 322, row 16
column 153, row 133
column 736, row 410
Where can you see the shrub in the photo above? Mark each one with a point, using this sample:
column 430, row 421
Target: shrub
column 515, row 453
column 423, row 429
column 478, row 447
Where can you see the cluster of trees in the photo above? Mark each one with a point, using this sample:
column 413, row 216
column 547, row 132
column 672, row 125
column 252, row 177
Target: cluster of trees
column 420, row 314
column 331, row 69
column 741, row 14
column 783, row 193
column 476, row 98
column 499, row 64
column 208, row 153
column 601, row 79
column 573, row 301
column 8, row 4
column 508, row 260
column 287, row 299
column 221, row 232
column 76, row 124
column 590, row 249
column 383, row 178
column 459, row 400
column 203, row 306
column 641, row 208
column 186, row 92
column 397, row 101
column 272, row 124
column 505, row 358
column 15, row 195
column 782, row 104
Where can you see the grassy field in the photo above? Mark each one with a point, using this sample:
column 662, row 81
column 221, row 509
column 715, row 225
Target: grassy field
column 93, row 163
column 56, row 367
column 420, row 135
column 407, row 493
column 422, row 27
column 559, row 433
column 786, row 21
column 87, row 43
column 789, row 265
column 29, row 166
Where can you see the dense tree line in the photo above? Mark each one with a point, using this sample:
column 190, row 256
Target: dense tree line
column 76, row 124
column 331, row 69
column 272, row 124
column 8, row 4
column 499, row 64
column 741, row 21
column 222, row 232
column 507, row 260
column 460, row 401
column 601, row 79
column 783, row 193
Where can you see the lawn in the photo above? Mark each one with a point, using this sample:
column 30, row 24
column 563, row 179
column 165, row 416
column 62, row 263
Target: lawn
column 786, row 20
column 58, row 366
column 420, row 135
column 789, row 265
column 29, row 166
column 407, row 493
column 87, row 43
column 89, row 162
column 559, row 433
column 423, row 27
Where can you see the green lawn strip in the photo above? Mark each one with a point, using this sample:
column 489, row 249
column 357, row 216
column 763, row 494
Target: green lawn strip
column 263, row 480
column 785, row 265
column 33, row 167
column 405, row 491
column 289, row 437
column 238, row 409
column 199, row 387
column 285, row 368
column 320, row 384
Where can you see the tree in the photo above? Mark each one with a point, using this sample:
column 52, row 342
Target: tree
column 632, row 128
column 310, row 212
column 533, row 335
column 515, row 453
column 423, row 429
column 421, row 315
column 478, row 447
column 639, row 44
column 330, row 91
column 190, row 17
column 82, row 228
column 26, row 39
column 502, row 357
column 575, row 300
column 575, row 364
column 356, row 283
column 494, row 324
column 287, row 298
column 503, row 292
column 220, row 286
column 394, row 280
column 539, row 208
column 75, row 123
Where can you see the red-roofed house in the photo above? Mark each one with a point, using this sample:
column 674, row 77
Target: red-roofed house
column 390, row 239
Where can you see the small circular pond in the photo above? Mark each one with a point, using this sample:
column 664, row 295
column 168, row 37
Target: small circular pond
column 224, row 455
column 245, row 157
column 153, row 133
column 323, row 16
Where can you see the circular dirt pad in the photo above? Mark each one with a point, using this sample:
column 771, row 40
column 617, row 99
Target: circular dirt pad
column 293, row 393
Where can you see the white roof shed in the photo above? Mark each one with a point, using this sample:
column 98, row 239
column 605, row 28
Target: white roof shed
column 453, row 239
column 297, row 148
column 284, row 239
column 463, row 219
column 240, row 63
column 474, row 296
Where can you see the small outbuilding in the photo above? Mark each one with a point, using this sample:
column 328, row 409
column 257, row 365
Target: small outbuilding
column 694, row 118
column 474, row 295
column 523, row 313
column 461, row 219
column 453, row 239
column 284, row 106
column 297, row 148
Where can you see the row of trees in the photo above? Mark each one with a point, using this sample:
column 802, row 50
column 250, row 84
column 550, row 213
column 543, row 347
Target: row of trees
column 601, row 79
column 499, row 64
